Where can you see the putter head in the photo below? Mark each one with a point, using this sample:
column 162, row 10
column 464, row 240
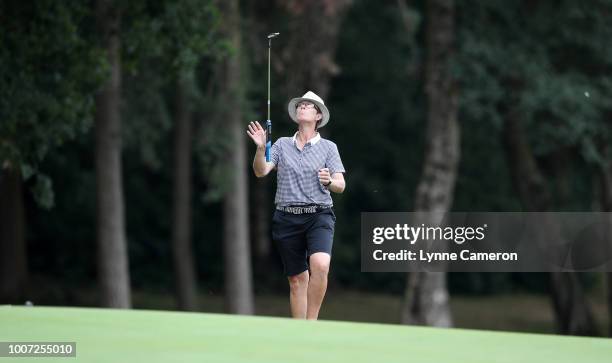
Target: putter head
column 272, row 35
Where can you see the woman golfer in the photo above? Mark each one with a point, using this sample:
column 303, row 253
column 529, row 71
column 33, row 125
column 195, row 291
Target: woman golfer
column 308, row 170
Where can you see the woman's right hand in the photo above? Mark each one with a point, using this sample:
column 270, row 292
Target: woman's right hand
column 257, row 133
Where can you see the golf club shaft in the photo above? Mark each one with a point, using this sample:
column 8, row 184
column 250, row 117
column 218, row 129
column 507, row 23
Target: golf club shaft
column 268, row 121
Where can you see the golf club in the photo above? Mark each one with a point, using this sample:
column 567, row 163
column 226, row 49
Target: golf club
column 268, row 121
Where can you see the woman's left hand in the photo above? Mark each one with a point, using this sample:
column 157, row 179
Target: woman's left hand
column 324, row 176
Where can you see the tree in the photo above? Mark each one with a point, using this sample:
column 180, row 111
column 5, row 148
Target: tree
column 535, row 86
column 181, row 232
column 426, row 300
column 49, row 72
column 190, row 29
column 605, row 183
column 113, row 270
column 236, row 243
column 165, row 43
column 13, row 258
column 261, row 224
column 572, row 313
column 308, row 59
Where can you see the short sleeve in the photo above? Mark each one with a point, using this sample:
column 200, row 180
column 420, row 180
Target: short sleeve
column 275, row 152
column 333, row 162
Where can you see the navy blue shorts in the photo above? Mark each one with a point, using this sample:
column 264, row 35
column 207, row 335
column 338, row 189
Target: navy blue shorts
column 297, row 236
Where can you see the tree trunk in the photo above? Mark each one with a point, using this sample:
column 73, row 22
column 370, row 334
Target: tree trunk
column 606, row 202
column 13, row 256
column 609, row 288
column 313, row 31
column 236, row 244
column 426, row 299
column 571, row 309
column 184, row 271
column 573, row 314
column 261, row 218
column 113, row 270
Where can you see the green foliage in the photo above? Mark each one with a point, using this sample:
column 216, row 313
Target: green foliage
column 176, row 34
column 549, row 61
column 49, row 74
column 164, row 42
column 377, row 121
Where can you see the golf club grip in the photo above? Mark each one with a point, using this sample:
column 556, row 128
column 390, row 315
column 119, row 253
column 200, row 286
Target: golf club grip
column 268, row 139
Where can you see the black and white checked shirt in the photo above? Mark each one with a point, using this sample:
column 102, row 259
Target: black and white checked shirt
column 298, row 171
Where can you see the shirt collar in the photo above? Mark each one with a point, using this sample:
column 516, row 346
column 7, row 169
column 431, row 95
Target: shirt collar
column 313, row 140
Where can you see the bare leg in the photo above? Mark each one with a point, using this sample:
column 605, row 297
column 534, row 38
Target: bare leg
column 298, row 284
column 319, row 267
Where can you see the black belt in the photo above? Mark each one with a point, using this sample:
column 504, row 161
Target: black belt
column 303, row 208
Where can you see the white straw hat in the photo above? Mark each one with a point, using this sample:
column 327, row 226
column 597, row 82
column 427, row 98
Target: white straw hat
column 310, row 97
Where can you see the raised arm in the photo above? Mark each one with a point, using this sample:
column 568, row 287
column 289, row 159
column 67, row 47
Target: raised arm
column 260, row 166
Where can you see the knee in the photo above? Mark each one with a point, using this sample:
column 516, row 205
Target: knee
column 299, row 281
column 319, row 264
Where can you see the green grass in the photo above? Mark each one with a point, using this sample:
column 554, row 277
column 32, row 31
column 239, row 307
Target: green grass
column 516, row 312
column 107, row 335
